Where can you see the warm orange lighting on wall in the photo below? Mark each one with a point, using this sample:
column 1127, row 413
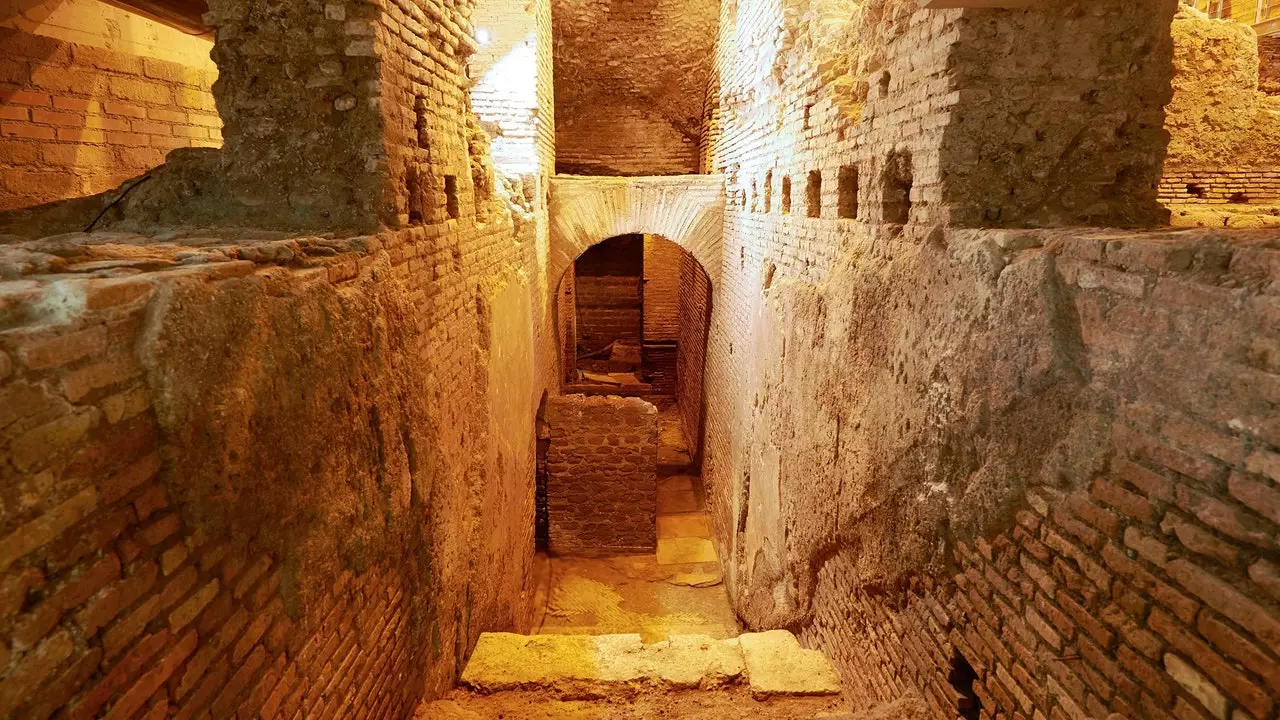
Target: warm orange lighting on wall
column 946, row 4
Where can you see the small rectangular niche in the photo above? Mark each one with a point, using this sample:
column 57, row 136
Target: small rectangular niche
column 420, row 121
column 847, row 187
column 786, row 195
column 413, row 193
column 813, row 194
column 768, row 192
column 896, row 181
column 451, row 197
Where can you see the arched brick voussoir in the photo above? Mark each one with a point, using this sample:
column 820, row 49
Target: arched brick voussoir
column 685, row 209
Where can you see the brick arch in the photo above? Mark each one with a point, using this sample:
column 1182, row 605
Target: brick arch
column 685, row 209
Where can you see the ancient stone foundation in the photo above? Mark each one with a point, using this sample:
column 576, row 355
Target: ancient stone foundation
column 602, row 482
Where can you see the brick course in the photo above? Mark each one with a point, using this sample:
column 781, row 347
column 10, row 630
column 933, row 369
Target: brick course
column 78, row 120
column 1216, row 186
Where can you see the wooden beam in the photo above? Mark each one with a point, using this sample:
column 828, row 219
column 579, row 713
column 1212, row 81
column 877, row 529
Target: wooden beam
column 1268, row 27
column 946, row 4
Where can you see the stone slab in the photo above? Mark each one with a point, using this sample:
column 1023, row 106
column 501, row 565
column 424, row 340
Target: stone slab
column 777, row 665
column 576, row 664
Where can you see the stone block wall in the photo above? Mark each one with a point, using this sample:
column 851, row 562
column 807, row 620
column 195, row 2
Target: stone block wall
column 1067, row 130
column 77, row 119
column 602, row 486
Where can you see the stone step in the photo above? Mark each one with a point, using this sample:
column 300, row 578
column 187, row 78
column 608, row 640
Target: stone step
column 769, row 664
column 727, row 703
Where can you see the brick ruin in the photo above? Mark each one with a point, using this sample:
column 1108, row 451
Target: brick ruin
column 973, row 419
column 602, row 475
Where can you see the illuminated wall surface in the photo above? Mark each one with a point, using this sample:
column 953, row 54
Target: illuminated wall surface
column 94, row 96
column 967, row 324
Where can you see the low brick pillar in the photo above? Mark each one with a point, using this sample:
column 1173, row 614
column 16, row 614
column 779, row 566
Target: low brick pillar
column 602, row 482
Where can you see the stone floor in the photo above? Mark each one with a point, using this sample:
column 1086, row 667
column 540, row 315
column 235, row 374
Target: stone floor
column 678, row 590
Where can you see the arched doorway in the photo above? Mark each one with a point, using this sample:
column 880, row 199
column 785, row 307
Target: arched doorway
column 632, row 314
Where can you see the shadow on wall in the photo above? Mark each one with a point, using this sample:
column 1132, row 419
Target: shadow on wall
column 94, row 96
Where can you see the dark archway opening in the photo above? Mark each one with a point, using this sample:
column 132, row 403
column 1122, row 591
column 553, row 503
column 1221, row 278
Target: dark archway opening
column 633, row 317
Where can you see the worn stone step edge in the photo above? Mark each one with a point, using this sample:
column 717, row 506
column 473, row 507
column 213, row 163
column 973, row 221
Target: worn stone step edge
column 771, row 664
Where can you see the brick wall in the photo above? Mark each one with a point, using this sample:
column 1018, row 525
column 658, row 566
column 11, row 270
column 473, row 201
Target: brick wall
column 141, row 574
column 662, row 262
column 660, row 361
column 78, row 120
column 512, row 95
column 695, row 319
column 609, row 292
column 1149, row 589
column 878, row 456
column 630, row 80
column 609, row 308
column 803, row 95
column 164, row 560
column 602, row 491
column 1269, row 64
column 626, row 141
column 1215, row 186
column 567, row 325
column 1143, row 586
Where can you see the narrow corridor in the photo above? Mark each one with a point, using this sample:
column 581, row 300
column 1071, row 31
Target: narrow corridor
column 644, row 635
